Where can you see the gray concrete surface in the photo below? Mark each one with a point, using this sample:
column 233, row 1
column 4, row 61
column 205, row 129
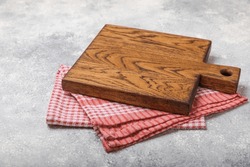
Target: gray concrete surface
column 37, row 36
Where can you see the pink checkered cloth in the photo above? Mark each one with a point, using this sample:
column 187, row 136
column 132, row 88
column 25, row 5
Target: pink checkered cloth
column 120, row 125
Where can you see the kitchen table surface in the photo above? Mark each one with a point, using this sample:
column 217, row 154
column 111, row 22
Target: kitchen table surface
column 36, row 37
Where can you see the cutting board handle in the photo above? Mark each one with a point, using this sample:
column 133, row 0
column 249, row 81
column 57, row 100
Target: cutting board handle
column 221, row 78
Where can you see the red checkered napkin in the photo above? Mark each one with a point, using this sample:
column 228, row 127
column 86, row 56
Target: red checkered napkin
column 135, row 124
column 120, row 125
column 63, row 108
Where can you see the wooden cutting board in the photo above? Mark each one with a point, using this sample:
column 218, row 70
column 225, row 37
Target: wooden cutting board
column 148, row 69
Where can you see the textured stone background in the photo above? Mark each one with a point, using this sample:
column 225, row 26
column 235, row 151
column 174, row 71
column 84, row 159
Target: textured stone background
column 37, row 36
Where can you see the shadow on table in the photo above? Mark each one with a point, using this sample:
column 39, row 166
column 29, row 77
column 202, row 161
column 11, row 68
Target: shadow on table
column 66, row 127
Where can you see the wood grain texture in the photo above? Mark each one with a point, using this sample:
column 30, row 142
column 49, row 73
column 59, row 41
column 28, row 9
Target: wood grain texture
column 148, row 69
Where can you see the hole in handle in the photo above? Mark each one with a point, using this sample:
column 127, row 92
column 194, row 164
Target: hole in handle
column 226, row 72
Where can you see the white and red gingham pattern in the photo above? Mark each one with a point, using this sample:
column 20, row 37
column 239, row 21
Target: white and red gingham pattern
column 63, row 108
column 113, row 140
column 120, row 125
